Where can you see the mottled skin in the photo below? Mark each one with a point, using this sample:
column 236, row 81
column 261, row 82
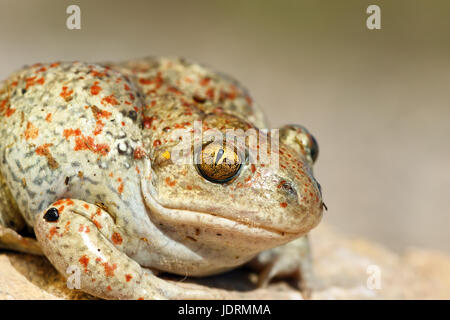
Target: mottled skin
column 95, row 141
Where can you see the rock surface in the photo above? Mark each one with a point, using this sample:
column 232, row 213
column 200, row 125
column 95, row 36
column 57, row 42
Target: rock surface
column 344, row 267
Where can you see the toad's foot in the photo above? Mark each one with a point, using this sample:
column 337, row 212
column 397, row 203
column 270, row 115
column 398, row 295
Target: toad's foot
column 10, row 221
column 291, row 260
column 81, row 238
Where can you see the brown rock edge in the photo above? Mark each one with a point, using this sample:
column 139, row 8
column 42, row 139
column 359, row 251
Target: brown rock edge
column 343, row 267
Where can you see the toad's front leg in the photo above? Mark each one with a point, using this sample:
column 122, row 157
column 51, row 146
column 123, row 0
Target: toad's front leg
column 75, row 234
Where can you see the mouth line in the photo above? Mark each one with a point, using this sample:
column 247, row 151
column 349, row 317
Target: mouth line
column 235, row 221
column 209, row 219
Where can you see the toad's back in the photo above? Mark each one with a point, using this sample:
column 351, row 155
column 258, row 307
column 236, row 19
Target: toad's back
column 79, row 130
column 67, row 129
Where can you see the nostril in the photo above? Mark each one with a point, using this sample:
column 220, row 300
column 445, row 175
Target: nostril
column 286, row 186
column 52, row 215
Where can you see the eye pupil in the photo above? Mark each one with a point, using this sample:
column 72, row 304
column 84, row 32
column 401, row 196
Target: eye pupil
column 218, row 164
column 219, row 156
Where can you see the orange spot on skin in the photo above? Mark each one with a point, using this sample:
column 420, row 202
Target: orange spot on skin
column 98, row 74
column 174, row 90
column 140, row 298
column 108, row 288
column 87, row 143
column 62, row 201
column 110, row 100
column 86, row 206
column 61, row 209
column 169, row 182
column 9, row 112
column 59, row 202
column 99, row 113
column 117, row 238
column 148, row 122
column 32, row 81
column 146, row 81
column 95, row 89
column 98, row 127
column 128, row 277
column 31, row 132
column 205, row 81
column 52, row 232
column 181, row 125
column 84, row 260
column 253, row 168
column 54, row 65
column 65, row 93
column 210, row 93
column 3, row 104
column 98, row 225
column 120, row 188
column 44, row 151
column 66, row 228
column 109, row 269
column 84, row 228
column 283, row 204
column 138, row 153
column 48, row 118
column 156, row 143
column 67, row 133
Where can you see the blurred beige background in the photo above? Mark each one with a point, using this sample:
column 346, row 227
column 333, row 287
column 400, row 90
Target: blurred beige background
column 377, row 101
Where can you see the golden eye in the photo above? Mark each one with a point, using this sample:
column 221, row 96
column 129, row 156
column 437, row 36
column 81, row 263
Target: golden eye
column 218, row 164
